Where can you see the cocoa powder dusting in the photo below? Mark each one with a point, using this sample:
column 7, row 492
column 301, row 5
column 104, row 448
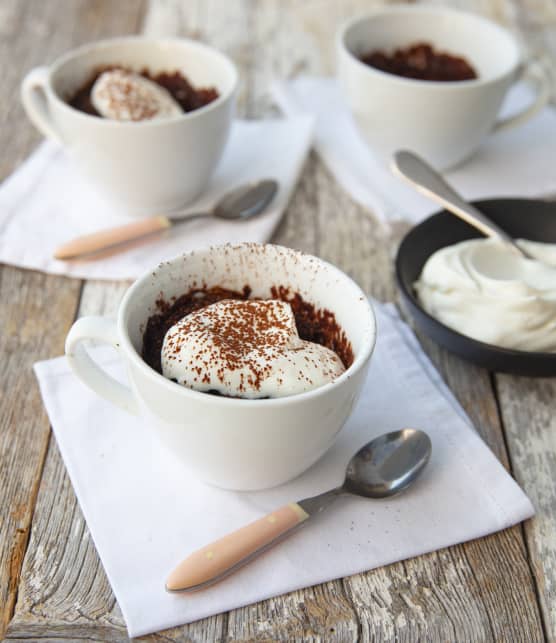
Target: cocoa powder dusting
column 314, row 325
column 241, row 330
column 170, row 313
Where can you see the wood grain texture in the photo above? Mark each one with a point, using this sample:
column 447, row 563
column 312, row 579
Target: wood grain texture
column 54, row 603
column 528, row 414
column 461, row 593
column 31, row 35
column 24, row 431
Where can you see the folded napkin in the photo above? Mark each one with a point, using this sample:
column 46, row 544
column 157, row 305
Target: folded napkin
column 46, row 202
column 146, row 513
column 516, row 162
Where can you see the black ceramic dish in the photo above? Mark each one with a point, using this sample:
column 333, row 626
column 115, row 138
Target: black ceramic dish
column 521, row 218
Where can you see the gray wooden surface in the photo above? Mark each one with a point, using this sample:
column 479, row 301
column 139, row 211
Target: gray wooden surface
column 52, row 585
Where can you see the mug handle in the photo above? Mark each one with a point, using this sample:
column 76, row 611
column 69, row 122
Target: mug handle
column 535, row 74
column 104, row 330
column 35, row 102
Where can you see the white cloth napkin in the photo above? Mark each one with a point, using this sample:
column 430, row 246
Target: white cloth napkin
column 146, row 513
column 46, row 202
column 518, row 162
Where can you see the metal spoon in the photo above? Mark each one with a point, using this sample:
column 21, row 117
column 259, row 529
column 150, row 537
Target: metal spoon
column 242, row 203
column 429, row 182
column 384, row 467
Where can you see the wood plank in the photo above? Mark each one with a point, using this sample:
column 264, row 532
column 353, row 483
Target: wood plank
column 448, row 595
column 32, row 34
column 345, row 235
column 55, row 603
column 530, row 422
column 24, row 429
column 527, row 405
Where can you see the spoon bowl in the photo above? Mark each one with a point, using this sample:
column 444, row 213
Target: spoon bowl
column 388, row 464
column 246, row 201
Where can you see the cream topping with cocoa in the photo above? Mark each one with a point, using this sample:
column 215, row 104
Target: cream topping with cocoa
column 248, row 349
column 125, row 96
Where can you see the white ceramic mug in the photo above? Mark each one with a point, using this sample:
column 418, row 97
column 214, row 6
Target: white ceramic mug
column 147, row 166
column 442, row 121
column 233, row 443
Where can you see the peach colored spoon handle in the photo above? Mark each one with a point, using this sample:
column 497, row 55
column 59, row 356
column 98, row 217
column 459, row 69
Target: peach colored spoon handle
column 216, row 560
column 108, row 238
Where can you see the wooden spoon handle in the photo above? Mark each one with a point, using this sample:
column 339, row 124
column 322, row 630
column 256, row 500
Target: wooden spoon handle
column 106, row 239
column 211, row 563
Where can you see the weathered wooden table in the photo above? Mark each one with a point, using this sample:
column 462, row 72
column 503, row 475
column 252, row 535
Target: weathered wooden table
column 52, row 585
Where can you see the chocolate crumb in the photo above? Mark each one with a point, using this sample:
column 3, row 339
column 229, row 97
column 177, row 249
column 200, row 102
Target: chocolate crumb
column 182, row 91
column 422, row 62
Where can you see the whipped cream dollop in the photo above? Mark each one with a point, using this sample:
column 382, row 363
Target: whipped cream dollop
column 125, row 96
column 484, row 290
column 248, row 349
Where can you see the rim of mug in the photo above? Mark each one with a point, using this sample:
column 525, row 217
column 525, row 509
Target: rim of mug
column 147, row 123
column 432, row 9
column 364, row 353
